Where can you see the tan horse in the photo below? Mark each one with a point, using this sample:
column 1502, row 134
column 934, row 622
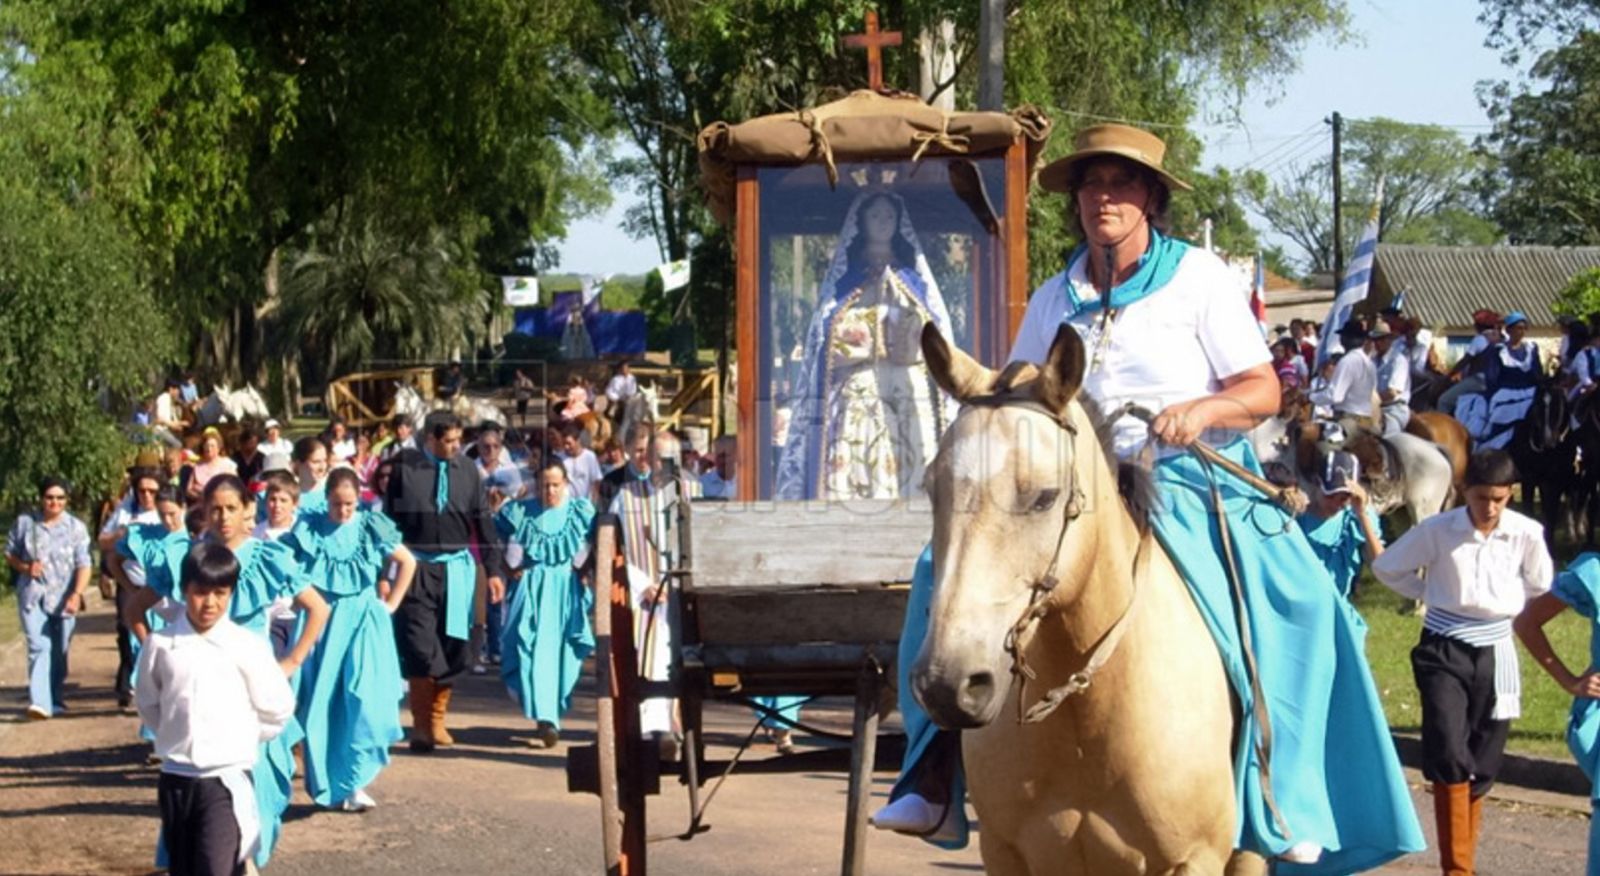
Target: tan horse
column 1133, row 776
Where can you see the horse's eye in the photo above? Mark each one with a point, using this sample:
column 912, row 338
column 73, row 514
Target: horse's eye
column 1045, row 500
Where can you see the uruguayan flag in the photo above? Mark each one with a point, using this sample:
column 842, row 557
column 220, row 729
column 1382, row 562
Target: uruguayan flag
column 1353, row 288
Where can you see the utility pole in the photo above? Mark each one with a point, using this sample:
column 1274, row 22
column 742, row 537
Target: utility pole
column 992, row 55
column 1338, row 211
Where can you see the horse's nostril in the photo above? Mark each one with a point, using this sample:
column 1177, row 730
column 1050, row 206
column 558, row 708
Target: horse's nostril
column 977, row 690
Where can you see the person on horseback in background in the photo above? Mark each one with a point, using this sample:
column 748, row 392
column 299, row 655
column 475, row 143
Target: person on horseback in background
column 1162, row 328
column 1394, row 381
column 1355, row 379
column 1468, row 370
column 1585, row 362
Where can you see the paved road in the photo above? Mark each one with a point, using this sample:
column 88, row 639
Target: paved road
column 76, row 797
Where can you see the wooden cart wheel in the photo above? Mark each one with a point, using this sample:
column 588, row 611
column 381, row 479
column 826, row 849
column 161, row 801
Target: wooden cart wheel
column 622, row 789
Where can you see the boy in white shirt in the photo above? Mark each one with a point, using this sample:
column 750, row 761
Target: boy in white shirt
column 1475, row 568
column 204, row 664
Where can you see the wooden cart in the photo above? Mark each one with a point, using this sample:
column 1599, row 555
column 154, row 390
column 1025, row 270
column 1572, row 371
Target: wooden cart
column 767, row 599
column 367, row 398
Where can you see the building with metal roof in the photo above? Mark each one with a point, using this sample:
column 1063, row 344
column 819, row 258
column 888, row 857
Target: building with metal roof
column 1443, row 285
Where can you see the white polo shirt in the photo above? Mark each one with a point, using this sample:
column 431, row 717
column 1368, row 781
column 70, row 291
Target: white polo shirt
column 1173, row 346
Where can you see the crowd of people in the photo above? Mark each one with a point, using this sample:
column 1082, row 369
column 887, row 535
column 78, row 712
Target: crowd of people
column 372, row 568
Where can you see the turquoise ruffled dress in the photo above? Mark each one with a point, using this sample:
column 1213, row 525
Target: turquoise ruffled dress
column 351, row 688
column 1338, row 542
column 159, row 553
column 1579, row 587
column 1336, row 778
column 547, row 632
column 268, row 570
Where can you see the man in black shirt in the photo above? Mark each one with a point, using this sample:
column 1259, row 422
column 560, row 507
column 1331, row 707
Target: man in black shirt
column 437, row 500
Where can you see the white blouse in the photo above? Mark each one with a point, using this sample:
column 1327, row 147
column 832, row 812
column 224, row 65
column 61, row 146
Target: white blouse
column 1172, row 346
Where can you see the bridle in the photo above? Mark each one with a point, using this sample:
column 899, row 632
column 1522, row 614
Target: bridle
column 1022, row 631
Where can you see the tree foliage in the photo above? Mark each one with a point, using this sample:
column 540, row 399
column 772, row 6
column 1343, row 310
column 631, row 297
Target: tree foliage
column 1545, row 184
column 1580, row 298
column 241, row 126
column 1429, row 197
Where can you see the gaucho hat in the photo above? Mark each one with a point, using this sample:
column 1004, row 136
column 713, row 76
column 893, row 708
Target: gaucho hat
column 1118, row 141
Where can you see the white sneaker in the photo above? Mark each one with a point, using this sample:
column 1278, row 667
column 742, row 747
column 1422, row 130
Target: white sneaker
column 38, row 713
column 360, row 801
column 913, row 814
column 1307, row 852
column 479, row 668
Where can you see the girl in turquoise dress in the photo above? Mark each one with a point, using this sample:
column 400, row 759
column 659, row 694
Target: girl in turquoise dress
column 267, row 570
column 1578, row 588
column 351, row 689
column 547, row 632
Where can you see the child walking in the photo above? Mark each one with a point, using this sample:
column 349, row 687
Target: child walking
column 213, row 694
column 1474, row 568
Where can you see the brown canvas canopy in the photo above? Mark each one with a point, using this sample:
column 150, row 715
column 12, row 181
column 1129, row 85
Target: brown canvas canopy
column 865, row 126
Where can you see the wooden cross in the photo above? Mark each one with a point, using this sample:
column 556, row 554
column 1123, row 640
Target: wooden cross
column 874, row 42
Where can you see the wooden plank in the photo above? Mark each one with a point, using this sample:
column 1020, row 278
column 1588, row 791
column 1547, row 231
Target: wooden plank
column 1016, row 241
column 747, row 307
column 746, row 617
column 777, row 544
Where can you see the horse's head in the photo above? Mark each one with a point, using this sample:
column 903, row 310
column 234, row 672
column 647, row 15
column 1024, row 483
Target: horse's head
column 1011, row 476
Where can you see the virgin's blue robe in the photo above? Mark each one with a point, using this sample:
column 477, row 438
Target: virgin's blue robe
column 350, row 688
column 547, row 632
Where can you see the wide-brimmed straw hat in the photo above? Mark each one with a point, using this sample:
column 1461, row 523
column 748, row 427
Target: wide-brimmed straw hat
column 1118, row 141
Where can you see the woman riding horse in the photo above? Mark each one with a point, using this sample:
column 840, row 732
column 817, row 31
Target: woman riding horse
column 1318, row 784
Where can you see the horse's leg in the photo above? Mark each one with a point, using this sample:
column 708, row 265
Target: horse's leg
column 1244, row 863
column 1001, row 858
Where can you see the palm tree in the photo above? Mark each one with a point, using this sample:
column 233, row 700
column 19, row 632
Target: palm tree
column 362, row 291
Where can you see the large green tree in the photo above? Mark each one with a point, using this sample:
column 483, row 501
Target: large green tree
column 241, row 126
column 1545, row 184
column 1429, row 196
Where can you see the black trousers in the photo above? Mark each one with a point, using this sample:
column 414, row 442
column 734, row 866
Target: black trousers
column 419, row 630
column 1461, row 742
column 198, row 827
column 125, row 661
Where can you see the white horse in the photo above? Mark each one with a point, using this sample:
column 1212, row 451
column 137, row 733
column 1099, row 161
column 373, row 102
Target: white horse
column 409, row 403
column 1398, row 470
column 225, row 405
column 643, row 406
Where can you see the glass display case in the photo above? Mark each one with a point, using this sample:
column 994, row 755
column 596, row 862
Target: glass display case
column 842, row 258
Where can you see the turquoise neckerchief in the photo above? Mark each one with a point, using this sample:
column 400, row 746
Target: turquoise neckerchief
column 1155, row 270
column 441, row 487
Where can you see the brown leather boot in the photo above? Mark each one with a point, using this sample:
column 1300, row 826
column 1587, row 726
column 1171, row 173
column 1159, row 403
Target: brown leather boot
column 441, row 704
column 1476, row 812
column 1452, row 812
column 421, row 701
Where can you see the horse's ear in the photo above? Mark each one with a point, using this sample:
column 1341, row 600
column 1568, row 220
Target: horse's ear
column 1062, row 372
column 956, row 373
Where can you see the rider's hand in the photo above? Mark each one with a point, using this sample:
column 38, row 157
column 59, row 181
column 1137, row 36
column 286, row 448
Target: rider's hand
column 1181, row 424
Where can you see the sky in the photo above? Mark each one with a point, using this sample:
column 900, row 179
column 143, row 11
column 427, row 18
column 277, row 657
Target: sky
column 1412, row 60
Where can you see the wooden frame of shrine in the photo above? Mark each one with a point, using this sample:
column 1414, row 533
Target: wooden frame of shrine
column 786, row 182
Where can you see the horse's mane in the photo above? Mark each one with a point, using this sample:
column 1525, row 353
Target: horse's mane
column 1136, row 483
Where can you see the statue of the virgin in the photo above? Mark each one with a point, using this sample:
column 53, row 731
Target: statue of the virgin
column 865, row 415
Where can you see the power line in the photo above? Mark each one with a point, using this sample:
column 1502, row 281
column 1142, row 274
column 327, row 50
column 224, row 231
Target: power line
column 1292, row 143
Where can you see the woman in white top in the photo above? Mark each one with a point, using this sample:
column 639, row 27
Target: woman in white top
column 1166, row 327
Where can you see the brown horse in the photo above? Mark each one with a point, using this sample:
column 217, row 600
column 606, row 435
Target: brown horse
column 1447, row 432
column 1036, row 558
